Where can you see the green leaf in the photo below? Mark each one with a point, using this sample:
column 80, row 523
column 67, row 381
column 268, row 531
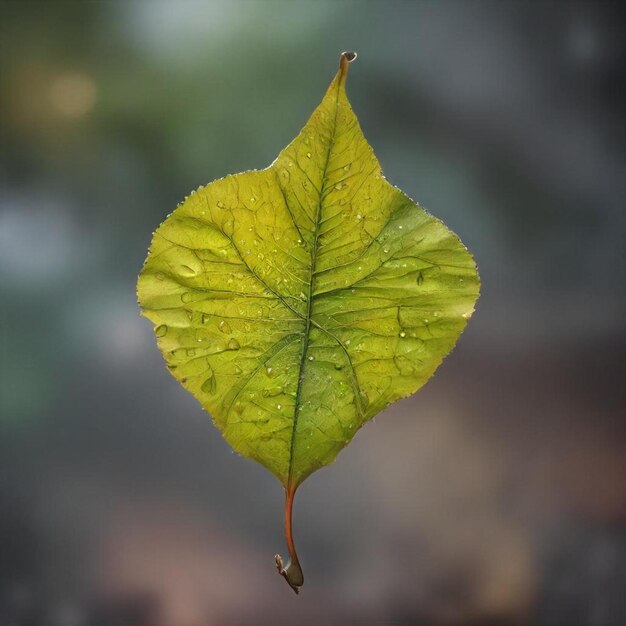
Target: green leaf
column 297, row 302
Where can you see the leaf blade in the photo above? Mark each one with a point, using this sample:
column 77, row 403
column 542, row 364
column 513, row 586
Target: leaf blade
column 318, row 292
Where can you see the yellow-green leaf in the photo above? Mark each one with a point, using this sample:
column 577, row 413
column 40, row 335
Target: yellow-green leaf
column 297, row 302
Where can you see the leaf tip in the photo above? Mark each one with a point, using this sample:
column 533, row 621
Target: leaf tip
column 345, row 58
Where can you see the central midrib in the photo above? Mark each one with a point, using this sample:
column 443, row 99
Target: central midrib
column 305, row 343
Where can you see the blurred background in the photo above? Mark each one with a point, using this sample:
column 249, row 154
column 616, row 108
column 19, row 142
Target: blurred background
column 495, row 496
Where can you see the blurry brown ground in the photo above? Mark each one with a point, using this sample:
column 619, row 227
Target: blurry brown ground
column 496, row 495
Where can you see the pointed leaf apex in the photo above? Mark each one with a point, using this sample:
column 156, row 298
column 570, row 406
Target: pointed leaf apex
column 344, row 60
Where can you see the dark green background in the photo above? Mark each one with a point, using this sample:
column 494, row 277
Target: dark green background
column 494, row 496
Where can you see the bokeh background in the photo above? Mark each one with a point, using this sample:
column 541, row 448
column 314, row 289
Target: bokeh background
column 496, row 495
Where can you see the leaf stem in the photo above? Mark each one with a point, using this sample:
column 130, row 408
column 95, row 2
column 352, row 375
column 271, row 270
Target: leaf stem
column 292, row 573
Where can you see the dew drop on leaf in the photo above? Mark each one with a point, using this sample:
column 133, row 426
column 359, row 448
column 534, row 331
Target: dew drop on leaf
column 209, row 385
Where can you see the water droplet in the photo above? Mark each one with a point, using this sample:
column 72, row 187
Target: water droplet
column 268, row 370
column 191, row 352
column 208, row 386
column 185, row 270
column 308, row 155
column 238, row 407
column 347, row 167
column 340, row 186
column 402, row 334
column 160, row 276
column 238, row 370
column 224, row 327
column 338, row 366
column 279, row 406
column 420, row 278
column 347, row 342
column 253, row 199
column 271, row 392
column 364, row 399
column 233, row 344
column 310, row 358
column 220, row 204
column 386, row 250
column 160, row 331
column 187, row 296
column 400, row 227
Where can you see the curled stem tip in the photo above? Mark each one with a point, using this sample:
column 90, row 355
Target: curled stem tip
column 344, row 60
column 292, row 572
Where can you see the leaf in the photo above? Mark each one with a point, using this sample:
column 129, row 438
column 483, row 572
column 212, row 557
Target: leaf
column 297, row 302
